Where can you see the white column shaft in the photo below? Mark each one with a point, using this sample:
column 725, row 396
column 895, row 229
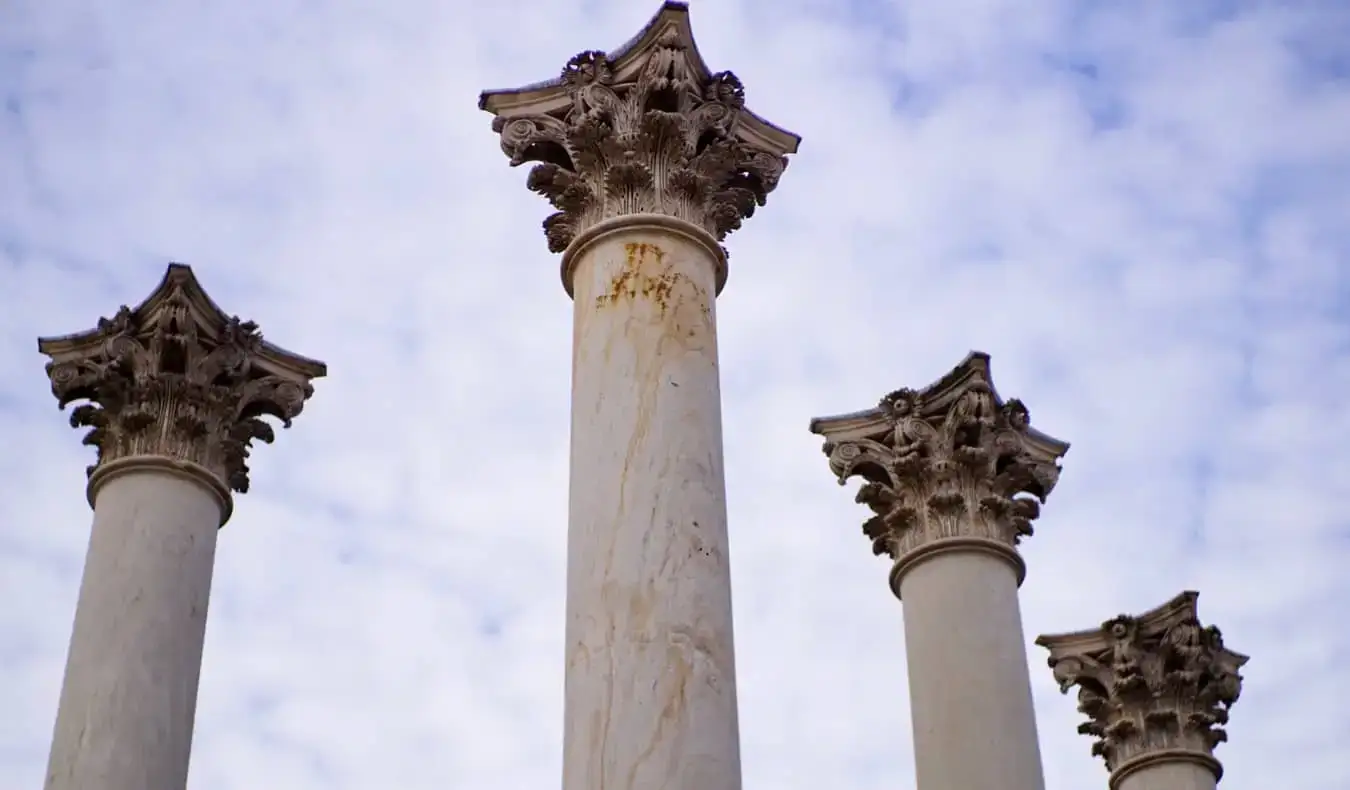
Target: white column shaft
column 970, row 686
column 650, row 680
column 130, row 691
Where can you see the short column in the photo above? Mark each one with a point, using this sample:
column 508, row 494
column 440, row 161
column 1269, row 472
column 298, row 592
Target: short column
column 175, row 390
column 954, row 476
column 1156, row 689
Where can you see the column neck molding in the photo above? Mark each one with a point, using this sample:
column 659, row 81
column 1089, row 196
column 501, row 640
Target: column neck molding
column 957, row 545
column 1164, row 757
column 105, row 473
column 631, row 223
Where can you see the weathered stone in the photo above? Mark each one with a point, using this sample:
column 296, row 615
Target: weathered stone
column 1155, row 685
column 177, row 377
column 648, row 129
column 950, row 461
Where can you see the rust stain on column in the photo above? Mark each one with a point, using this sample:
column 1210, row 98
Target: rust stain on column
column 645, row 273
column 630, row 281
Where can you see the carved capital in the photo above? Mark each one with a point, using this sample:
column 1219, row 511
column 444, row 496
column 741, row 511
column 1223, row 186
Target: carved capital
column 1152, row 683
column 645, row 130
column 950, row 461
column 178, row 378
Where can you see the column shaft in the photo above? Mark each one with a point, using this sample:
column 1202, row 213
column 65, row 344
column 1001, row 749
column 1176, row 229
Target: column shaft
column 970, row 686
column 130, row 691
column 650, row 697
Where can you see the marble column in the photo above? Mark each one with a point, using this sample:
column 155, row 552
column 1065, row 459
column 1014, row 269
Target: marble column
column 1156, row 689
column 651, row 160
column 954, row 476
column 174, row 392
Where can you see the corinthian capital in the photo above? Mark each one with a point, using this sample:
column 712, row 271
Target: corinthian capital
column 647, row 129
column 950, row 461
column 1153, row 686
column 177, row 378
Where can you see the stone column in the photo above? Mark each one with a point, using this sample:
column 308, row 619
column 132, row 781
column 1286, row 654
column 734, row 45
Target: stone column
column 175, row 390
column 651, row 160
column 1156, row 689
column 954, row 476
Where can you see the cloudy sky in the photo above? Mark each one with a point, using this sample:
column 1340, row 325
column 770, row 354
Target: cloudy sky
column 1138, row 208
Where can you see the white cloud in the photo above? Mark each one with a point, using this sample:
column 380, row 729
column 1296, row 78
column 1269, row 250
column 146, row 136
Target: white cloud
column 1138, row 209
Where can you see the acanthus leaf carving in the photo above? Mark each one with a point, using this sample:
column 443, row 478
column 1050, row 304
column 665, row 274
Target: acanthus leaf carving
column 1147, row 683
column 952, row 460
column 661, row 141
column 163, row 381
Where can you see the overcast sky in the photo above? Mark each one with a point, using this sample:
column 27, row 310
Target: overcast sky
column 1140, row 209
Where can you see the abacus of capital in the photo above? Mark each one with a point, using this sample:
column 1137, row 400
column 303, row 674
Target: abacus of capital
column 651, row 160
column 954, row 476
column 1156, row 689
column 175, row 391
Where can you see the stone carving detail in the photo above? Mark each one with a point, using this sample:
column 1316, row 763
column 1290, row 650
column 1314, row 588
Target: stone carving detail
column 953, row 463
column 1149, row 683
column 660, row 143
column 162, row 382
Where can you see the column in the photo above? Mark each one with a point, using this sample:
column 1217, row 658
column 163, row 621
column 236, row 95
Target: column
column 954, row 476
column 174, row 394
column 650, row 161
column 1156, row 689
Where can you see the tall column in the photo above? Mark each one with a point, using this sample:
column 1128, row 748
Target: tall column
column 1156, row 689
column 175, row 390
column 954, row 476
column 650, row 160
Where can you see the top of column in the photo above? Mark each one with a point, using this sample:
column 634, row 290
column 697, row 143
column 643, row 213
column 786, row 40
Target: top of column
column 176, row 377
column 1154, row 687
column 949, row 465
column 645, row 129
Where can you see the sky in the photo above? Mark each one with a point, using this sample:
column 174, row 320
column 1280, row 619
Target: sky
column 1139, row 209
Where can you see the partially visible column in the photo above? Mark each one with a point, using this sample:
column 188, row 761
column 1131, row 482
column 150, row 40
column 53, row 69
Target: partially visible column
column 954, row 476
column 650, row 160
column 1156, row 689
column 175, row 389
